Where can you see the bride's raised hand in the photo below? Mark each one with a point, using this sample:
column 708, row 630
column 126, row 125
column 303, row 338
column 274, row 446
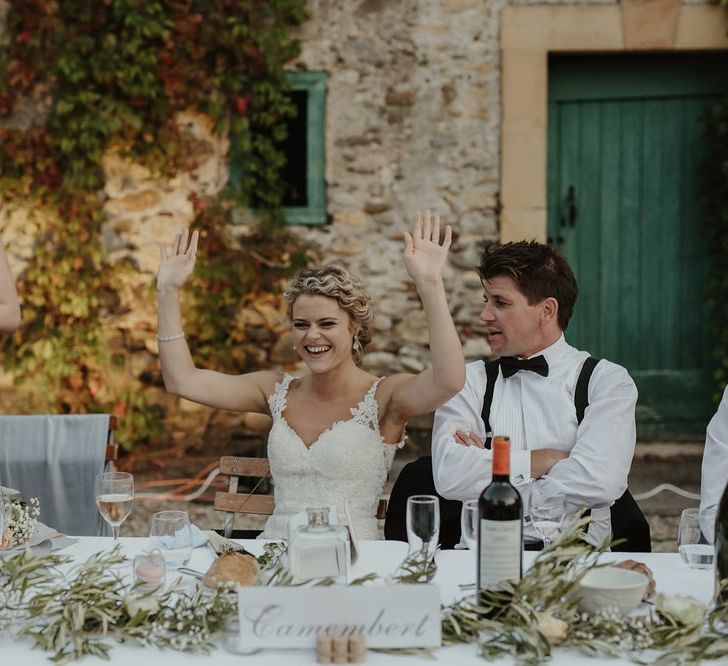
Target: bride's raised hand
column 177, row 261
column 424, row 254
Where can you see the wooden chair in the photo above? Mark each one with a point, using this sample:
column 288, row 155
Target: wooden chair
column 232, row 502
column 112, row 448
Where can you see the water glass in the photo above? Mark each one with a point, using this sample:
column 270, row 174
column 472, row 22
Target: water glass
column 469, row 523
column 694, row 550
column 170, row 532
column 423, row 526
column 547, row 518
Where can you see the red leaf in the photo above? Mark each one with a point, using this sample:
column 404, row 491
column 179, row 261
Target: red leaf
column 241, row 104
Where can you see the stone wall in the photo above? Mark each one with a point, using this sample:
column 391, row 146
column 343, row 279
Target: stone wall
column 412, row 122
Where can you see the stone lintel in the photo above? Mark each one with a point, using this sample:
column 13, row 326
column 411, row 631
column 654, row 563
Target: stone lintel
column 650, row 24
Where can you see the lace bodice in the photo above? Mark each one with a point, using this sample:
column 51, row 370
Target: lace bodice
column 348, row 461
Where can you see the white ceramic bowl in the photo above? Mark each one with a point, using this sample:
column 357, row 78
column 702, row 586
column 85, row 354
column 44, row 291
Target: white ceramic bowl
column 611, row 587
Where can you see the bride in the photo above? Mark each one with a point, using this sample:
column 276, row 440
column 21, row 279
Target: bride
column 335, row 429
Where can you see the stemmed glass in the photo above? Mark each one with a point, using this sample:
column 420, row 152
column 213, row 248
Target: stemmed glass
column 423, row 530
column 469, row 523
column 114, row 496
column 694, row 549
column 547, row 518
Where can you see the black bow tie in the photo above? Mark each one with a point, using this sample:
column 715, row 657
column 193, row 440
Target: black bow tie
column 510, row 365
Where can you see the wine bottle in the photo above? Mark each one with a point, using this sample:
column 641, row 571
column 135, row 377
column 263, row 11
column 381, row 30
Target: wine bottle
column 500, row 515
column 721, row 548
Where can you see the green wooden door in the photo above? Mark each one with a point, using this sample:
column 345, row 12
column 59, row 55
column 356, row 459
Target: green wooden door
column 625, row 149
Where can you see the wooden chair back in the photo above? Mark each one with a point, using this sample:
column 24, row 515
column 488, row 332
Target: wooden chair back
column 232, row 502
column 112, row 448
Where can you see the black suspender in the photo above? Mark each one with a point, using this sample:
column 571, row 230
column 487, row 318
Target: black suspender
column 581, row 393
column 492, row 370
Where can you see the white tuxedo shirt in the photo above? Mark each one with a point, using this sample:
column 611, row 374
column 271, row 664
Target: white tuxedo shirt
column 538, row 412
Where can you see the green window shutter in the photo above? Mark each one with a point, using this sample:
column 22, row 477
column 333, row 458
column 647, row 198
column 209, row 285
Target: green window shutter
column 304, row 199
column 313, row 87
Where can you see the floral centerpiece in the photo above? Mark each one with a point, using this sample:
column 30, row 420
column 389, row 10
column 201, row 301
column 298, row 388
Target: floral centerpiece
column 21, row 519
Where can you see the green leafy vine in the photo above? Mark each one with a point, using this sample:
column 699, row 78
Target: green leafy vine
column 80, row 79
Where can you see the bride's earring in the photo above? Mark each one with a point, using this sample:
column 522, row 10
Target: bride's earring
column 357, row 345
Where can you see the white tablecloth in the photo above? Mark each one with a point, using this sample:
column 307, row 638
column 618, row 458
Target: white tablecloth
column 454, row 567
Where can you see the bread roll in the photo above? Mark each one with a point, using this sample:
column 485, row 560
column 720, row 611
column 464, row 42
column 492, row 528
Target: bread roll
column 232, row 567
column 642, row 568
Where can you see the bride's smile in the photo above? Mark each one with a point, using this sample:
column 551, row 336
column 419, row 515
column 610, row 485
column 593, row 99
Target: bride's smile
column 323, row 331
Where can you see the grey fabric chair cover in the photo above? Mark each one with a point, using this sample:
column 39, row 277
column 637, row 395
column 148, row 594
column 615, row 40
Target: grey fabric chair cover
column 56, row 459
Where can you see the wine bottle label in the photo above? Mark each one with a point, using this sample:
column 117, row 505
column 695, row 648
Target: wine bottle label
column 499, row 551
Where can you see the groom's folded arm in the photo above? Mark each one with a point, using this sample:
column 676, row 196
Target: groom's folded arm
column 461, row 472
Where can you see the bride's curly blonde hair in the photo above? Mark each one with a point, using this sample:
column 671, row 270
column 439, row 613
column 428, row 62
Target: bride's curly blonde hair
column 335, row 282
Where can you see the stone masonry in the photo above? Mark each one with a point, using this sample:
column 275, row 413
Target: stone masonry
column 412, row 122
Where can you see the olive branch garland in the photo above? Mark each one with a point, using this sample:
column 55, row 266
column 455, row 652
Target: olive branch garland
column 74, row 612
column 526, row 619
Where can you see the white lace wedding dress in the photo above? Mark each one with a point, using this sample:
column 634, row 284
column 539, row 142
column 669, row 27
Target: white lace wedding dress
column 348, row 461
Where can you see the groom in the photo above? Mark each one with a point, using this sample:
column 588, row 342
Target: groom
column 570, row 418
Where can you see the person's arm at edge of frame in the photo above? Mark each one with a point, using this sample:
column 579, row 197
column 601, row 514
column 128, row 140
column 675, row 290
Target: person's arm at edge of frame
column 714, row 468
column 9, row 305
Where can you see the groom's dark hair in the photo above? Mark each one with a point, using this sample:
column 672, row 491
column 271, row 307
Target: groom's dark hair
column 538, row 271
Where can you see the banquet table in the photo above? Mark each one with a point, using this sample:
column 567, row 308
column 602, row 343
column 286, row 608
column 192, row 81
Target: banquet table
column 455, row 567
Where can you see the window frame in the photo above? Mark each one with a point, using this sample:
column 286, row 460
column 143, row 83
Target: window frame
column 314, row 83
column 313, row 214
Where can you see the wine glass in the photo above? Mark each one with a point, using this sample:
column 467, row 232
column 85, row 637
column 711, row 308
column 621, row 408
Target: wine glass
column 171, row 533
column 114, row 495
column 469, row 523
column 423, row 529
column 694, row 549
column 547, row 517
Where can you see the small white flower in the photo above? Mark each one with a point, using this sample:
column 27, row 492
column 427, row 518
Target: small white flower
column 682, row 609
column 144, row 603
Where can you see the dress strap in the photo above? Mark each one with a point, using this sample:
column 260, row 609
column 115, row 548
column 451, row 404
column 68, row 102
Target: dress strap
column 367, row 411
column 277, row 399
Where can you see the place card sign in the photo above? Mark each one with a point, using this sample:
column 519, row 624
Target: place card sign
column 392, row 616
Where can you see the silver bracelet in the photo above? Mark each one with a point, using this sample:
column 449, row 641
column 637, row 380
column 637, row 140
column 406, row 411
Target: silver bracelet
column 169, row 338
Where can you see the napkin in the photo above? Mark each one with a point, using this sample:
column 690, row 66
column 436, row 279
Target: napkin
column 9, row 493
column 221, row 545
column 179, row 539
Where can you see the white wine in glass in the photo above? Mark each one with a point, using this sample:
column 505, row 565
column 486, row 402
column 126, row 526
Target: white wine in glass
column 114, row 496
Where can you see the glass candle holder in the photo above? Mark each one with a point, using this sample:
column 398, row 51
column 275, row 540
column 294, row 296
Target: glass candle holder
column 150, row 569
